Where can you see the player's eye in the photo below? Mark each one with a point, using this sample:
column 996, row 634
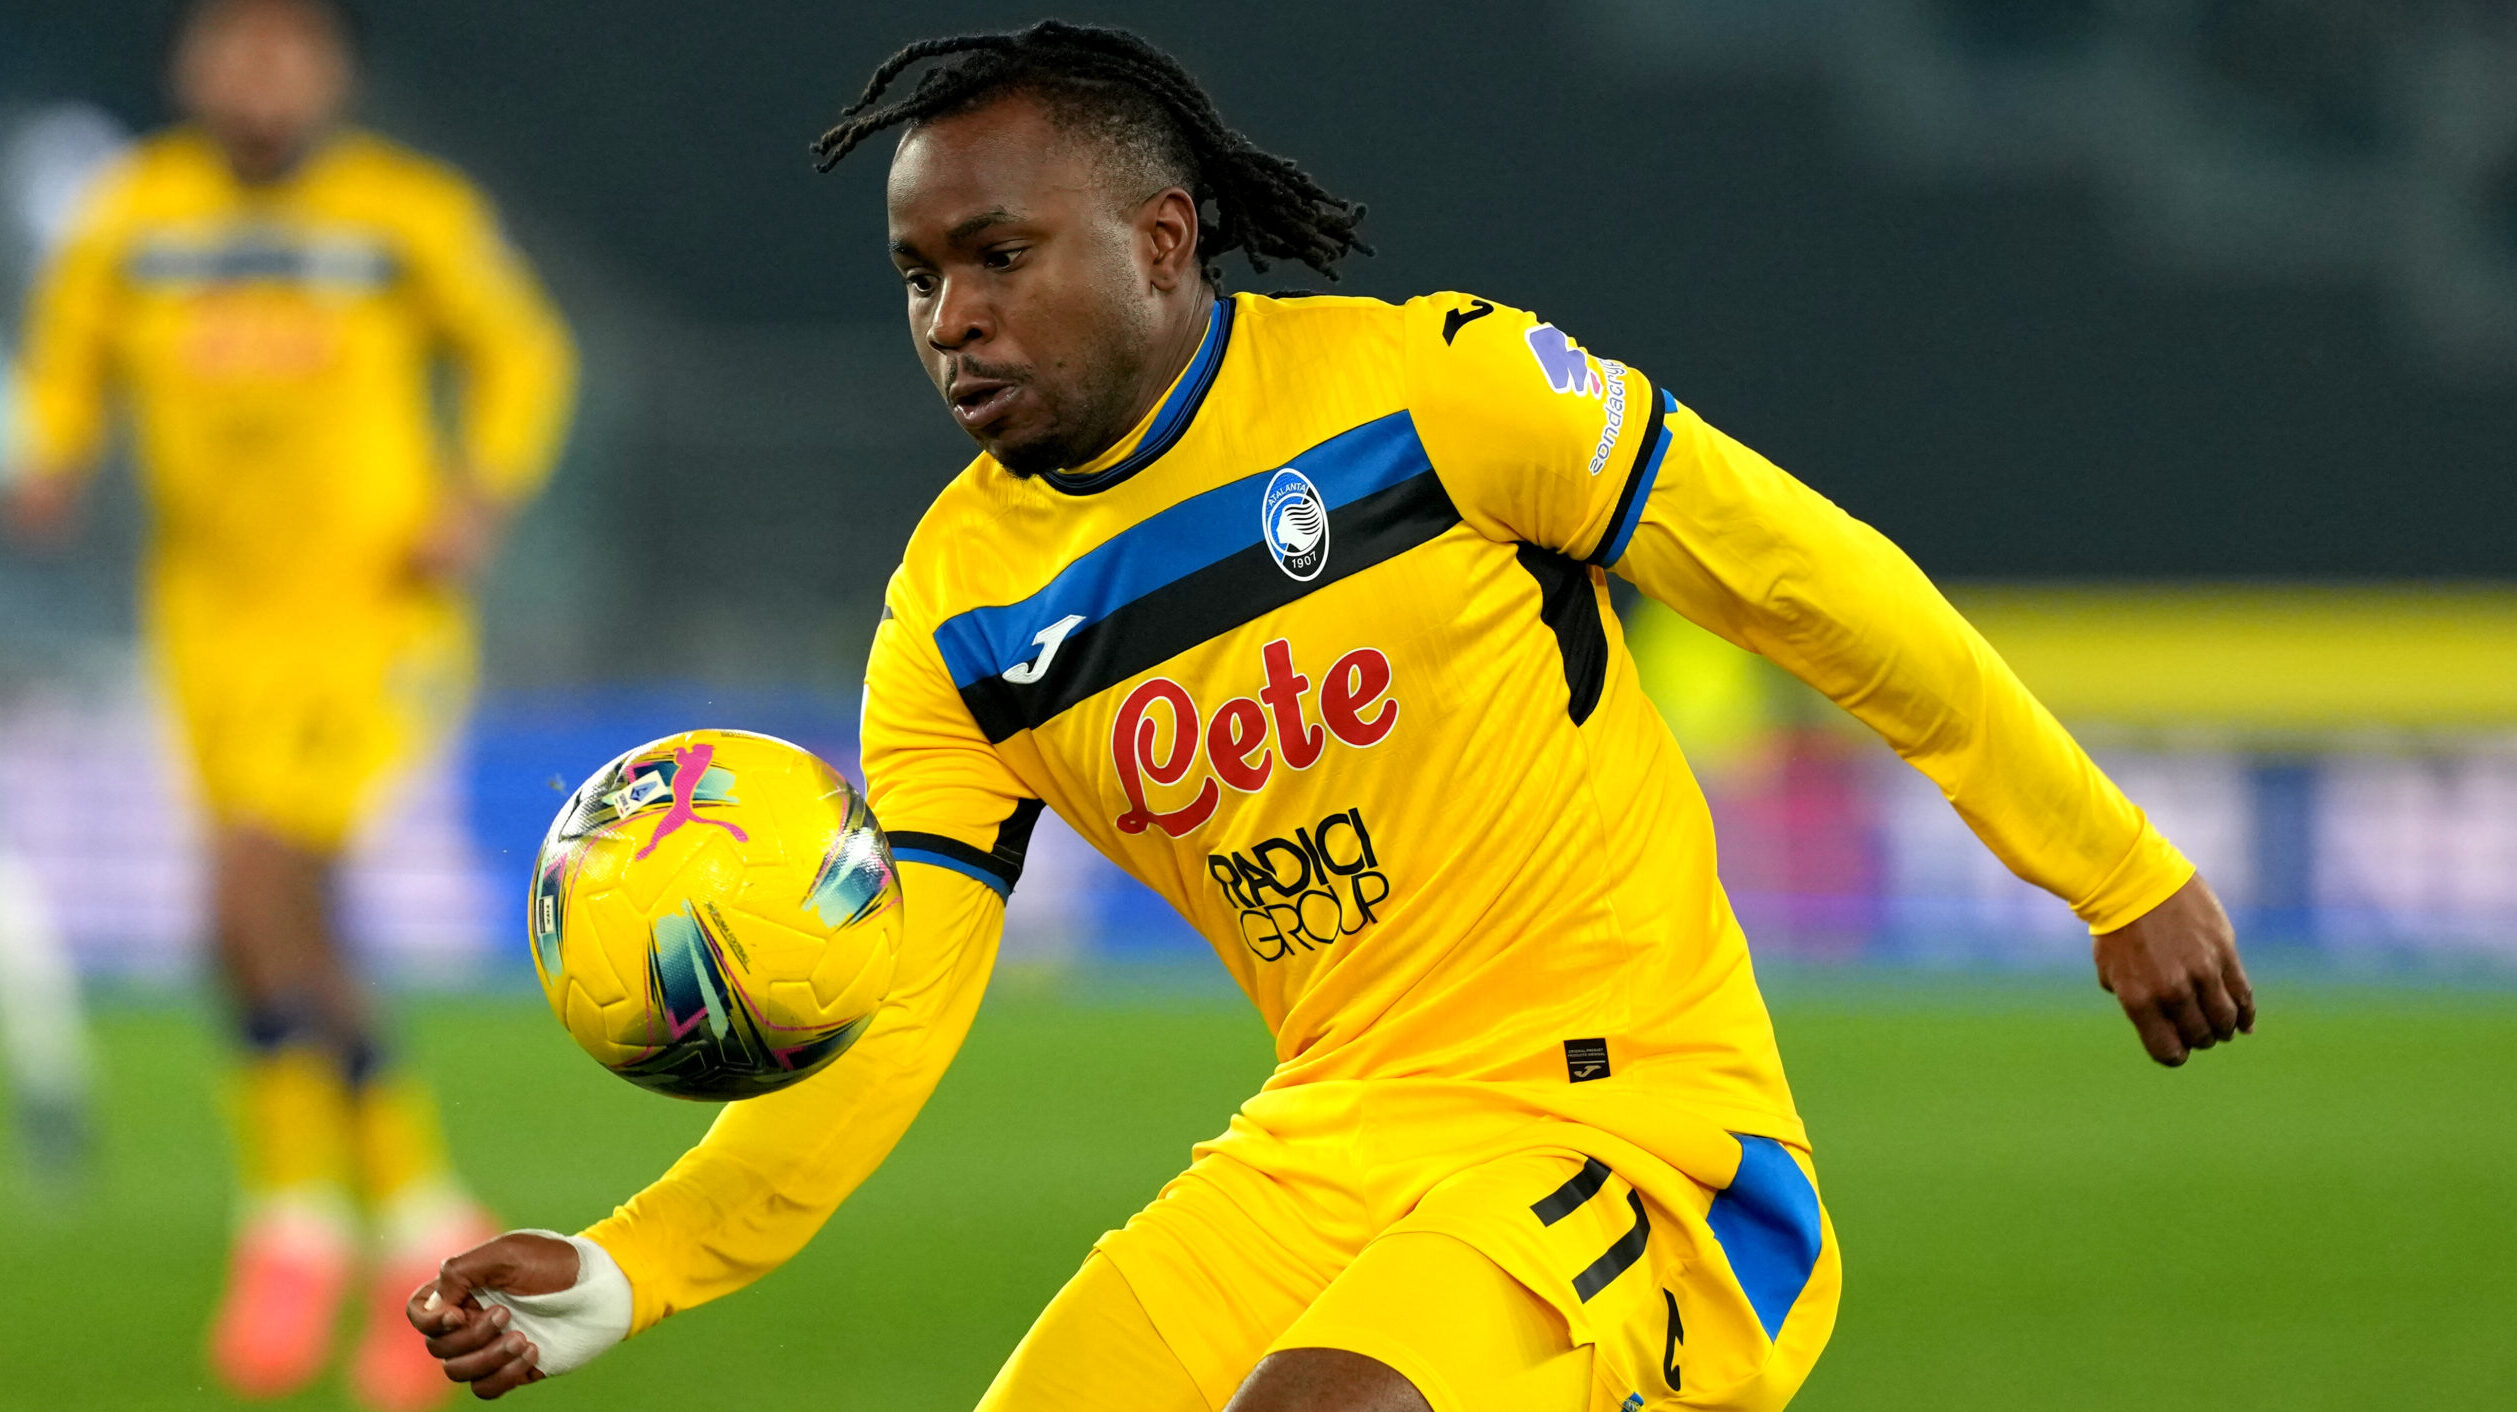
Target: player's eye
column 1003, row 257
column 920, row 282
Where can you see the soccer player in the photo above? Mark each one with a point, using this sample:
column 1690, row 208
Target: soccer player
column 1296, row 608
column 270, row 294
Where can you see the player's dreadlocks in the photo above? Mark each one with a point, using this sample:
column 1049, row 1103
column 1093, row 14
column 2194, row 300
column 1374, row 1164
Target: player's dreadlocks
column 1110, row 80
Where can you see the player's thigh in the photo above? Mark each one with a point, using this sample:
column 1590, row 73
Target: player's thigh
column 1685, row 1295
column 1226, row 1258
column 1445, row 1317
column 1093, row 1349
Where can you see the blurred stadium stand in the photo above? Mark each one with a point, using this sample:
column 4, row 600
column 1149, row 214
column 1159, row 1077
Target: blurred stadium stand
column 2179, row 336
column 2250, row 139
column 2342, row 763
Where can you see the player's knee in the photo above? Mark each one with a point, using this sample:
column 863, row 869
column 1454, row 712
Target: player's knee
column 1325, row 1380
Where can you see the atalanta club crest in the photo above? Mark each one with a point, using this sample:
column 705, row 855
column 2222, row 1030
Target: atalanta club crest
column 1293, row 519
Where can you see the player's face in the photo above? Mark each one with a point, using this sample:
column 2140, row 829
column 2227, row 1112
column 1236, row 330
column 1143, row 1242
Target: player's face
column 265, row 78
column 1034, row 293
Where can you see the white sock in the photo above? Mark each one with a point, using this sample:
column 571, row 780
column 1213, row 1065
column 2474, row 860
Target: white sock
column 43, row 1031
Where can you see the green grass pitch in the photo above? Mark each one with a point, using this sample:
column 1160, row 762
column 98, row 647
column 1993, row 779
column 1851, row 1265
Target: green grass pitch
column 2033, row 1217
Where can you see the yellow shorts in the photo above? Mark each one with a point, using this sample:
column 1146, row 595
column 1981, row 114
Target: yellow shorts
column 293, row 721
column 1465, row 1245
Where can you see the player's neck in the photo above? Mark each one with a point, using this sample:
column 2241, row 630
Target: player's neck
column 1175, row 345
column 274, row 166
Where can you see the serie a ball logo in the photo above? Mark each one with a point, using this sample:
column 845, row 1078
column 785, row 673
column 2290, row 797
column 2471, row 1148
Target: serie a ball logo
column 715, row 915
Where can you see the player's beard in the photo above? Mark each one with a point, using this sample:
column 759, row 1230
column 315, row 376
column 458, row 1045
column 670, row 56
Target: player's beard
column 1088, row 417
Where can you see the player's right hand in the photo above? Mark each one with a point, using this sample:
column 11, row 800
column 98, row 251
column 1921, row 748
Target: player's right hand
column 474, row 1340
column 41, row 510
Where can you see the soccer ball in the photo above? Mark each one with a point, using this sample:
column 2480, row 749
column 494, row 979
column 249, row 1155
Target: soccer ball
column 715, row 915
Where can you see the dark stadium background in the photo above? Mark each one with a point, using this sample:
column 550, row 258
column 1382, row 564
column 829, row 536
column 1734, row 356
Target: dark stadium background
column 2207, row 307
column 1990, row 366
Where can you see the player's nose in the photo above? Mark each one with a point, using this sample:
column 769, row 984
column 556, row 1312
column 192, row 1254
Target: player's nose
column 956, row 319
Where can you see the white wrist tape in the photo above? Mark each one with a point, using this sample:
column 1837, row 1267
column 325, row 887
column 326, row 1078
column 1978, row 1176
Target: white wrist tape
column 570, row 1327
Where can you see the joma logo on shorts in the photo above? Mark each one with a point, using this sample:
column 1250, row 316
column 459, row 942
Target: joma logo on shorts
column 1247, row 737
column 1307, row 891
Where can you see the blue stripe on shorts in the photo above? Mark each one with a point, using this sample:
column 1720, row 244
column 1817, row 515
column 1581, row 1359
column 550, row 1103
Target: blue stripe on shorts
column 1767, row 1222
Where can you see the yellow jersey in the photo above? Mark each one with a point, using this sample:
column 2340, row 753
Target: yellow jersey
column 1323, row 654
column 276, row 346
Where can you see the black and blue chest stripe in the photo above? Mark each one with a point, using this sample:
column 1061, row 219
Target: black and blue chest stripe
column 1188, row 574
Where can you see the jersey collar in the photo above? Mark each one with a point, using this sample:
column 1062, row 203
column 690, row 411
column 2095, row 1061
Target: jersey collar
column 1169, row 419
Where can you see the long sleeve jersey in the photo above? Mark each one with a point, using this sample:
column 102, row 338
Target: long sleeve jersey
column 276, row 348
column 1322, row 653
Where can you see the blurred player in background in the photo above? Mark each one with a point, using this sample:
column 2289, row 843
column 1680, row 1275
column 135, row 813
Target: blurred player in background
column 1297, row 609
column 271, row 294
column 49, row 158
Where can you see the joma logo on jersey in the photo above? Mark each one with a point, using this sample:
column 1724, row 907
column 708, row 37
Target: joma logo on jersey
column 1307, row 891
column 1245, row 740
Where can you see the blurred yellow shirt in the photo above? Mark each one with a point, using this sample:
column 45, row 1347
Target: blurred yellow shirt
column 277, row 348
column 1323, row 654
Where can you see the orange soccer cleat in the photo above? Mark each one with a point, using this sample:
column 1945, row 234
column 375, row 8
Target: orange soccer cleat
column 392, row 1371
column 285, row 1278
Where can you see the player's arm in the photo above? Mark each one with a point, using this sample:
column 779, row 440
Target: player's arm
column 1721, row 535
column 772, row 1169
column 63, row 374
column 1738, row 546
column 516, row 369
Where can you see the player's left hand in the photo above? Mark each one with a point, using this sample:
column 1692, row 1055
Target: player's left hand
column 457, row 545
column 2175, row 971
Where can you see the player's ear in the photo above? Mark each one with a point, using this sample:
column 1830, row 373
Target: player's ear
column 1167, row 226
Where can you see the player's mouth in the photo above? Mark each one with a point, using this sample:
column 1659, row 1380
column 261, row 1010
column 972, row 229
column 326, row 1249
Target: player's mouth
column 978, row 402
